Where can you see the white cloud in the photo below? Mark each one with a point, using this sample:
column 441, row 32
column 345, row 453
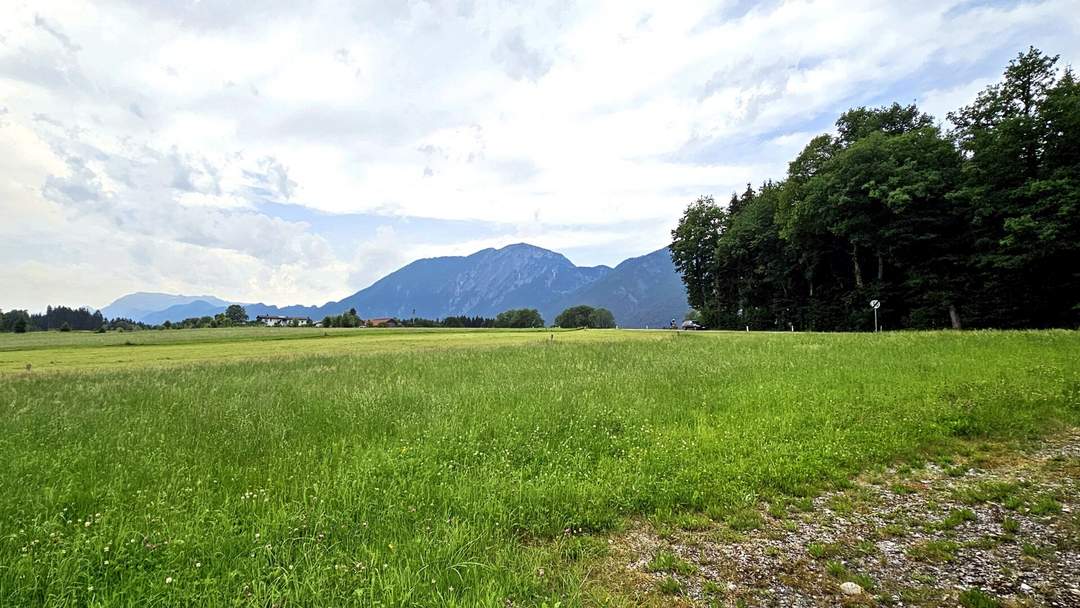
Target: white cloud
column 163, row 125
column 939, row 102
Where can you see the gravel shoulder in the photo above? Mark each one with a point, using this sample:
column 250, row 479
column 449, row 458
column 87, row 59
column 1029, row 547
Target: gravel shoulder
column 991, row 527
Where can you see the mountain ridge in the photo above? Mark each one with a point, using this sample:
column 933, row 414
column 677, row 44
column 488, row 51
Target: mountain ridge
column 643, row 291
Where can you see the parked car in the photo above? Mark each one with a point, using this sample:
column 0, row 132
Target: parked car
column 691, row 325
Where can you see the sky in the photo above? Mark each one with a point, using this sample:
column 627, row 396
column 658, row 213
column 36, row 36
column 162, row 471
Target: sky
column 294, row 152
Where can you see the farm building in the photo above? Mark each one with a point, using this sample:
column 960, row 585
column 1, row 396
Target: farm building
column 279, row 321
column 382, row 322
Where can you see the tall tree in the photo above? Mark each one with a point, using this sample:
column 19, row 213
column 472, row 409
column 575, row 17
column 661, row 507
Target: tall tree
column 236, row 314
column 693, row 250
column 1019, row 138
column 585, row 316
column 519, row 318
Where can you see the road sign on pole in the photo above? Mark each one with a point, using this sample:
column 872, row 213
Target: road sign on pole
column 875, row 304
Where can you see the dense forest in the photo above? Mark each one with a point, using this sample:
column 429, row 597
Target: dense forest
column 60, row 317
column 55, row 317
column 973, row 225
column 458, row 322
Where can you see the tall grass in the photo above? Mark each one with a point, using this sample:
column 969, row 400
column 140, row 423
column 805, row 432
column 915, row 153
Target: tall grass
column 465, row 476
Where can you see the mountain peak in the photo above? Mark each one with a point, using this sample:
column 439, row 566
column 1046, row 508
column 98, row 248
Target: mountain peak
column 524, row 247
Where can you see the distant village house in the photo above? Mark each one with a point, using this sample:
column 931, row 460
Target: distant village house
column 279, row 321
column 382, row 322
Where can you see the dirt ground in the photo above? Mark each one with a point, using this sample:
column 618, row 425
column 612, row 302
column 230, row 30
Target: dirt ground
column 994, row 527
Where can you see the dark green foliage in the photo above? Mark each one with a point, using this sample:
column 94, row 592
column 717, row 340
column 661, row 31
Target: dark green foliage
column 693, row 250
column 585, row 316
column 195, row 323
column 346, row 319
column 463, row 321
column 54, row 317
column 978, row 227
column 236, row 314
column 455, row 322
column 601, row 318
column 519, row 317
column 126, row 324
column 420, row 322
column 17, row 321
column 1022, row 183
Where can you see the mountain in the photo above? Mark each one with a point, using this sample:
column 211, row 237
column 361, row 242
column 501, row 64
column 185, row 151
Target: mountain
column 644, row 291
column 138, row 305
column 640, row 292
column 484, row 283
column 198, row 308
column 203, row 308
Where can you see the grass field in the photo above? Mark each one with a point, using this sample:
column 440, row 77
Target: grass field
column 483, row 468
column 56, row 351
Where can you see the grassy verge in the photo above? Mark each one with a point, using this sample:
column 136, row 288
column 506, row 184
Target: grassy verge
column 465, row 476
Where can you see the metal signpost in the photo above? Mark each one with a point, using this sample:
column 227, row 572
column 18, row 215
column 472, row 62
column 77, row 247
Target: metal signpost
column 875, row 304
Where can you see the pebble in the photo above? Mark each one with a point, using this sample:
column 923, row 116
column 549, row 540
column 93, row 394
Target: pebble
column 850, row 588
column 1025, row 588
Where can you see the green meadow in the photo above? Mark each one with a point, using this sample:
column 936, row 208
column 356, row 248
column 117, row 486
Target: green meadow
column 292, row 467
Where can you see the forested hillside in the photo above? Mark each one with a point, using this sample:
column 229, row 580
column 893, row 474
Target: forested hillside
column 974, row 224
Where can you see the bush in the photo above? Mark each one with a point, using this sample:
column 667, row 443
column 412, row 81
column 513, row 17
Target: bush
column 519, row 317
column 585, row 316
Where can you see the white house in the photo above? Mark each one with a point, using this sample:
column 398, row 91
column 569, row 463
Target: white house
column 279, row 321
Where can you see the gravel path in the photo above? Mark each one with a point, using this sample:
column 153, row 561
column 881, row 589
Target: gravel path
column 993, row 528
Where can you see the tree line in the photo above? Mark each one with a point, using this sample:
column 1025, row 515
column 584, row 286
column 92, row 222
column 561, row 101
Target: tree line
column 63, row 318
column 977, row 225
column 460, row 321
column 59, row 318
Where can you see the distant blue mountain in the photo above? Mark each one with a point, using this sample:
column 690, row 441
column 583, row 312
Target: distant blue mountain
column 643, row 291
column 484, row 283
column 198, row 308
column 138, row 305
column 203, row 308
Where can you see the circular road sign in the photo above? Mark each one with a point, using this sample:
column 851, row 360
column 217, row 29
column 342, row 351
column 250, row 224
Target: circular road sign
column 875, row 304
